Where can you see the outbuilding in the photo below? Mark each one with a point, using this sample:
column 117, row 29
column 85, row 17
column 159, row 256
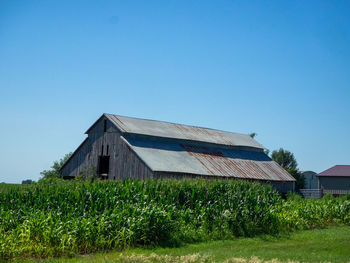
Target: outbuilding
column 119, row 147
column 311, row 180
column 335, row 180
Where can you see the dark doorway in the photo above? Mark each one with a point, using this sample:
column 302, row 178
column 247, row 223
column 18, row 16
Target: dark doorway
column 103, row 166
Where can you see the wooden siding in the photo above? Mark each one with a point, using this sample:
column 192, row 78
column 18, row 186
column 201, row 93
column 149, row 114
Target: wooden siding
column 283, row 187
column 79, row 161
column 124, row 163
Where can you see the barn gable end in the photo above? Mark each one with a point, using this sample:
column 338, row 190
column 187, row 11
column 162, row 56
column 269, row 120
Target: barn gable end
column 104, row 139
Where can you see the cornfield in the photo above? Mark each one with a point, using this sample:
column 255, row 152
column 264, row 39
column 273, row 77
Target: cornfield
column 61, row 218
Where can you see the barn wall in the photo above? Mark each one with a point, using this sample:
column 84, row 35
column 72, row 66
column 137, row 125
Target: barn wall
column 85, row 158
column 124, row 163
column 79, row 160
column 283, row 187
column 334, row 183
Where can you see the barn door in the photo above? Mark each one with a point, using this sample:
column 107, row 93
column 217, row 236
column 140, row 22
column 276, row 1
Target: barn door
column 103, row 166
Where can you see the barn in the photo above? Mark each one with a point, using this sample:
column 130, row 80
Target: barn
column 335, row 180
column 119, row 147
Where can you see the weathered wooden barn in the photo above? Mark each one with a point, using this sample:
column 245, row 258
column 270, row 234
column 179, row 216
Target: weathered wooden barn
column 119, row 147
column 335, row 180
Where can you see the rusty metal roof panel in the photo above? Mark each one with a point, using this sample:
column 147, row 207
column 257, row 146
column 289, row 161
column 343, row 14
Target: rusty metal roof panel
column 201, row 159
column 182, row 132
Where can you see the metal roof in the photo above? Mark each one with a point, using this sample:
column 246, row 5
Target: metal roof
column 337, row 170
column 182, row 132
column 198, row 158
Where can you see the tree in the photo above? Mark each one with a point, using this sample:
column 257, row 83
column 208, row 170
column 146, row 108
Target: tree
column 55, row 172
column 28, row 181
column 287, row 160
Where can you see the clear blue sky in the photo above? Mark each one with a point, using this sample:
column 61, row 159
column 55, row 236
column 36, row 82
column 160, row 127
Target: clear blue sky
column 277, row 68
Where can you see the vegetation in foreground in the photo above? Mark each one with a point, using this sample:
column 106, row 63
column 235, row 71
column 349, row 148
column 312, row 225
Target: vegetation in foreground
column 331, row 244
column 55, row 218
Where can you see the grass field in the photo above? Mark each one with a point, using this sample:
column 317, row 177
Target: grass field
column 331, row 244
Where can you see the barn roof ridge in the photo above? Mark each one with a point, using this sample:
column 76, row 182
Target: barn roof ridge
column 165, row 129
column 175, row 123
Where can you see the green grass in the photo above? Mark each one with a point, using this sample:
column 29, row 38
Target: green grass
column 331, row 244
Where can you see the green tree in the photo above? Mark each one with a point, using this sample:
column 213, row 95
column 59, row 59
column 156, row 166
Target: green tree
column 287, row 160
column 55, row 172
column 28, row 181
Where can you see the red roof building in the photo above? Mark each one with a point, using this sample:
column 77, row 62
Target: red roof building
column 335, row 180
